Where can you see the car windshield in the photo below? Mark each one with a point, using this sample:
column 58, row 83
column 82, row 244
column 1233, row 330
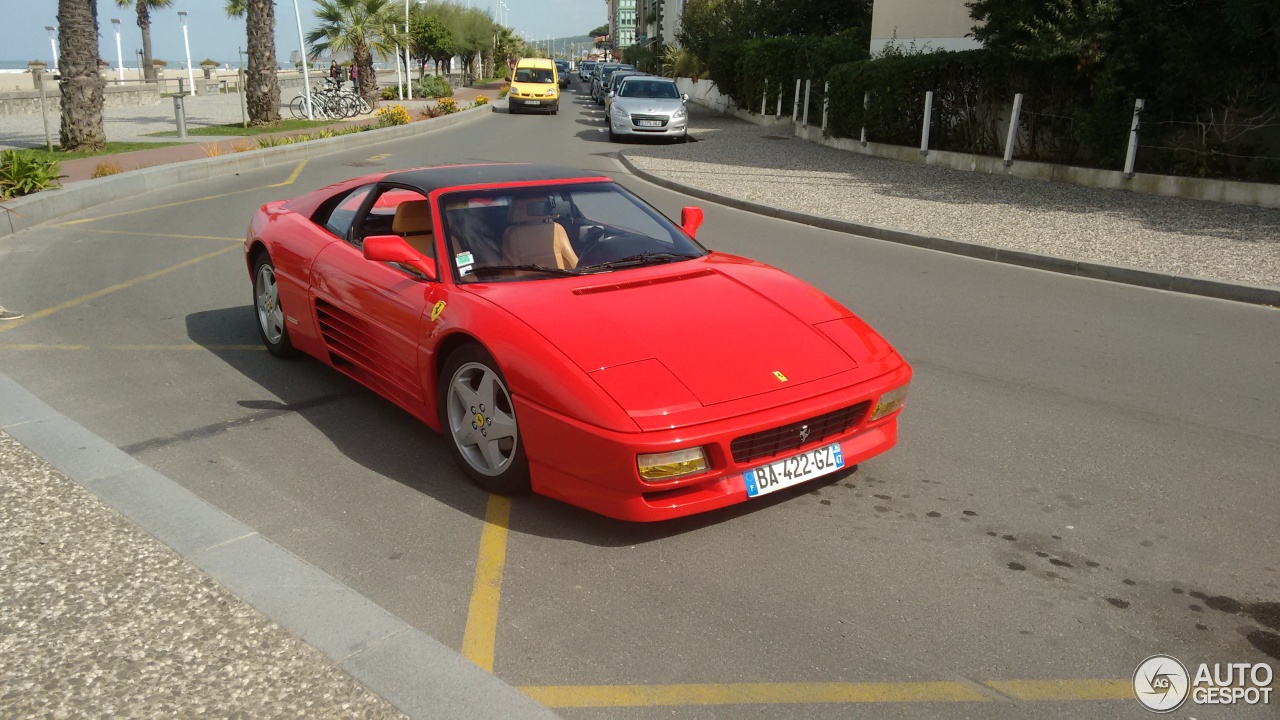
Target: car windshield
column 609, row 71
column 551, row 231
column 534, row 75
column 617, row 78
column 638, row 88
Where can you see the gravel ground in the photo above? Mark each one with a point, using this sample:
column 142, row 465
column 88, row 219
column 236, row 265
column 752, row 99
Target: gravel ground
column 101, row 619
column 1224, row 241
column 132, row 124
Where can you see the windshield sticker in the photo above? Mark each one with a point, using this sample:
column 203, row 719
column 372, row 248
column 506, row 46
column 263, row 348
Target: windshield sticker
column 435, row 311
column 464, row 258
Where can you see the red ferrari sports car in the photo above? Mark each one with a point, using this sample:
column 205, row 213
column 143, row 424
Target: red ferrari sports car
column 567, row 337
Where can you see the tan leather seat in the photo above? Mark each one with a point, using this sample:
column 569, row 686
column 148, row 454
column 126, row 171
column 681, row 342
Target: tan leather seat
column 536, row 240
column 413, row 222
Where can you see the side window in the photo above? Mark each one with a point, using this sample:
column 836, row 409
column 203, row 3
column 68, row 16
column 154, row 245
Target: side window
column 391, row 214
column 337, row 215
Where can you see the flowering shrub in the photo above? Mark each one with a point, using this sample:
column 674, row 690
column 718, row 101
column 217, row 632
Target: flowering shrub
column 480, row 100
column 393, row 115
column 446, row 106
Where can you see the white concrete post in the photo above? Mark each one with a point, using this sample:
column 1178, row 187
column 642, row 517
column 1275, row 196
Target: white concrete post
column 928, row 113
column 764, row 98
column 1013, row 129
column 795, row 105
column 1132, row 155
column 866, row 103
column 826, row 102
column 779, row 113
column 808, row 85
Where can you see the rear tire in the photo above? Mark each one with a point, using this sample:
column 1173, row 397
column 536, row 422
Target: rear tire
column 273, row 327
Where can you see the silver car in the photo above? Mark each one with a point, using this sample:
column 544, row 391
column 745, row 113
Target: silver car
column 647, row 105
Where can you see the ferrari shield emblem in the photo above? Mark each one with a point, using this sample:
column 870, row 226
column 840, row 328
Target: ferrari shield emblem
column 435, row 311
column 780, row 376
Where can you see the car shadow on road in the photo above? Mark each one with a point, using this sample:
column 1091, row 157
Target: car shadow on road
column 379, row 436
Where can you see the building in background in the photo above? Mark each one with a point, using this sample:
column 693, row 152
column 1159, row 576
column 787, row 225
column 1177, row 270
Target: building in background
column 659, row 22
column 926, row 24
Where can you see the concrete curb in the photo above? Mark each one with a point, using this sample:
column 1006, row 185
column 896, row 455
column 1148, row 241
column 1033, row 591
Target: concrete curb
column 404, row 666
column 1190, row 285
column 32, row 210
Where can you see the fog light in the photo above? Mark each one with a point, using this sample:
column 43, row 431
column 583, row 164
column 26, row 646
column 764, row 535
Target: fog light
column 671, row 465
column 890, row 402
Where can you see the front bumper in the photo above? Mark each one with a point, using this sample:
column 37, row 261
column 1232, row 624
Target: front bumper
column 596, row 469
column 539, row 103
column 673, row 128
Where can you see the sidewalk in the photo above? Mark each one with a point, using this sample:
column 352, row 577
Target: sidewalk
column 768, row 165
column 136, row 123
column 100, row 618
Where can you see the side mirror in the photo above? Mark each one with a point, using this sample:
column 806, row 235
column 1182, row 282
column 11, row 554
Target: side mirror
column 393, row 249
column 507, row 78
column 690, row 220
column 685, row 97
column 610, row 93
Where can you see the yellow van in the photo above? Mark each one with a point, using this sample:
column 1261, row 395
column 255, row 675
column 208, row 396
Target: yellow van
column 535, row 83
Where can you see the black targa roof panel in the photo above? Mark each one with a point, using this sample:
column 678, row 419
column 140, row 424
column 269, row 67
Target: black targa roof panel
column 448, row 176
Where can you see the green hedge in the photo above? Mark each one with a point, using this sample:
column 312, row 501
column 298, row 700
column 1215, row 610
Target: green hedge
column 776, row 63
column 436, row 86
column 1063, row 119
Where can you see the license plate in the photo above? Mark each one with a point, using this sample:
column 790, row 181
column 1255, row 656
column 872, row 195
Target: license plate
column 533, row 102
column 650, row 123
column 793, row 470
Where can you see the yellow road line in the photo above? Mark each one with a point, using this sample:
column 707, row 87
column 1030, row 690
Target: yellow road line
column 581, row 696
column 1064, row 689
column 482, row 614
column 69, row 223
column 14, row 324
column 132, row 348
column 161, row 235
column 294, row 176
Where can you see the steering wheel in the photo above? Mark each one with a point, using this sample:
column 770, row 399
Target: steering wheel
column 619, row 245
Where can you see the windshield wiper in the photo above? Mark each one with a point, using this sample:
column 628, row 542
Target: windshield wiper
column 529, row 268
column 644, row 258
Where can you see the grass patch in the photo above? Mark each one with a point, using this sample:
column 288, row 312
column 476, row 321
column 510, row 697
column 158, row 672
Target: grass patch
column 112, row 148
column 237, row 129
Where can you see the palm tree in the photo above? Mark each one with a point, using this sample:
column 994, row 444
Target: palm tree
column 262, row 94
column 362, row 27
column 144, row 21
column 82, row 85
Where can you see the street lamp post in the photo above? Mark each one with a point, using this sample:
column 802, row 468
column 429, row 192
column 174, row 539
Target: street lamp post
column 306, row 69
column 186, row 42
column 53, row 43
column 115, row 23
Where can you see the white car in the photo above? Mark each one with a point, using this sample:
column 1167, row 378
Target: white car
column 651, row 106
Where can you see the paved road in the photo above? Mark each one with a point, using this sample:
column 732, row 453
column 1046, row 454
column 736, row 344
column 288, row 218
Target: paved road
column 1087, row 474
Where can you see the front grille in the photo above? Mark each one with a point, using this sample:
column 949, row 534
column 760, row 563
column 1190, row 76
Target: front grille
column 786, row 438
column 635, row 120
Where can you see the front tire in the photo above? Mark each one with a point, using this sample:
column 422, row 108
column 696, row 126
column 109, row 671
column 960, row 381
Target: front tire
column 479, row 421
column 272, row 327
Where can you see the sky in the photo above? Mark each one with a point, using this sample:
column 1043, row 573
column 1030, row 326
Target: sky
column 22, row 34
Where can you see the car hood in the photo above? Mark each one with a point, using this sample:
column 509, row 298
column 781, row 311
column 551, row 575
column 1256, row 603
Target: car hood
column 656, row 106
column 696, row 333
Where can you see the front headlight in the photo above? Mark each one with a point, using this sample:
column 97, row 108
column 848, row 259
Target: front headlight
column 550, row 91
column 890, row 402
column 618, row 111
column 680, row 114
column 670, row 465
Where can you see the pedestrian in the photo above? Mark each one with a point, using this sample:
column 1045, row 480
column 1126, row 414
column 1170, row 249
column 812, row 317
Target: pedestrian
column 335, row 72
column 355, row 78
column 9, row 314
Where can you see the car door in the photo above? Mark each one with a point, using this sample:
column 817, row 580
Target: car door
column 371, row 313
